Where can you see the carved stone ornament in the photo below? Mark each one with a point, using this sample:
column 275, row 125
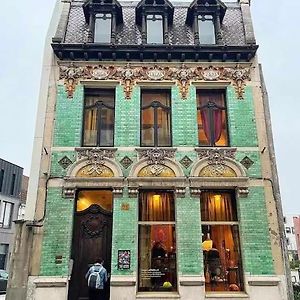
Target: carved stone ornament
column 156, row 155
column 65, row 162
column 195, row 191
column 243, row 192
column 247, row 162
column 118, row 191
column 133, row 191
column 96, row 158
column 186, row 161
column 126, row 162
column 128, row 75
column 180, row 191
column 216, row 156
column 68, row 193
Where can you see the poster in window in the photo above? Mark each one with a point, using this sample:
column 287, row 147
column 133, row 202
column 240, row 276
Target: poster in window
column 123, row 259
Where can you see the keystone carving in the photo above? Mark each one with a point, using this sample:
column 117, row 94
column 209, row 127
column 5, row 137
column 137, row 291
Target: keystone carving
column 156, row 156
column 216, row 156
column 96, row 158
column 128, row 76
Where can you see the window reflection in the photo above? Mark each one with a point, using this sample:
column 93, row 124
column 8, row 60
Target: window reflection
column 220, row 242
column 102, row 32
column 157, row 242
column 155, row 29
column 206, row 29
column 156, row 119
column 99, row 118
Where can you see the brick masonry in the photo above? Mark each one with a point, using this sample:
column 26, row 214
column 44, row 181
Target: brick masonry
column 254, row 234
column 68, row 118
column 57, row 234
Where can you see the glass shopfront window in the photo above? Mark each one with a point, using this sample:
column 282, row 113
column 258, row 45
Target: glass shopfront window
column 157, row 242
column 220, row 243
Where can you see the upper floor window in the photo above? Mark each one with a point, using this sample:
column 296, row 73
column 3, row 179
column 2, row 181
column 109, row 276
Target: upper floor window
column 212, row 119
column 6, row 211
column 205, row 18
column 155, row 33
column 102, row 18
column 102, row 31
column 154, row 18
column 155, row 119
column 206, row 28
column 99, row 115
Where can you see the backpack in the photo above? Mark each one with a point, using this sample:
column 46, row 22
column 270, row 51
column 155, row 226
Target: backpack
column 94, row 279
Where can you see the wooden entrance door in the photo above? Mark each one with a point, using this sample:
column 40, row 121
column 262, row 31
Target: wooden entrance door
column 91, row 240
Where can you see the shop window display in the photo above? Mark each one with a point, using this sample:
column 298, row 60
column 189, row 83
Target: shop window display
column 220, row 243
column 157, row 242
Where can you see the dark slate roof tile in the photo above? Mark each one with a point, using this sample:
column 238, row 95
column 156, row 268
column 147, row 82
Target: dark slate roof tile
column 180, row 34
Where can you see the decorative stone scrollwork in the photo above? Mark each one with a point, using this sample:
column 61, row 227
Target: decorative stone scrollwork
column 96, row 158
column 156, row 155
column 243, row 192
column 118, row 191
column 216, row 156
column 71, row 76
column 180, row 191
column 128, row 76
column 195, row 191
column 68, row 193
column 133, row 192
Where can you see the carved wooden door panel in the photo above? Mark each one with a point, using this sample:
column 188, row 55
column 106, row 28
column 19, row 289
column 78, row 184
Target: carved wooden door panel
column 91, row 240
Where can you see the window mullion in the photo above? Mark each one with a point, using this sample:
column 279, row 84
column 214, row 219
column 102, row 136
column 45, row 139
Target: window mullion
column 155, row 127
column 99, row 123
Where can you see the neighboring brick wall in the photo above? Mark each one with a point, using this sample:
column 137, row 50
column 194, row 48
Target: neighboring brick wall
column 241, row 119
column 184, row 118
column 254, row 233
column 68, row 118
column 57, row 234
column 125, row 227
column 189, row 239
column 127, row 118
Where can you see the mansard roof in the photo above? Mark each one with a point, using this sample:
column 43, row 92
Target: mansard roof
column 72, row 40
column 154, row 6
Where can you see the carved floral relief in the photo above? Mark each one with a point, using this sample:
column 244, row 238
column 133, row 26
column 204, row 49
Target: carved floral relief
column 129, row 75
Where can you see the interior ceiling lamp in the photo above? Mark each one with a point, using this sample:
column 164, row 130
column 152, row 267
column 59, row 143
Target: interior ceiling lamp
column 207, row 244
column 156, row 198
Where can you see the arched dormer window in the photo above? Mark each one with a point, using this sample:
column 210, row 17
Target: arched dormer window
column 103, row 16
column 205, row 17
column 154, row 18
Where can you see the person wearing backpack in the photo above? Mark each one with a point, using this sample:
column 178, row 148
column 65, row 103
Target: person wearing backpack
column 96, row 278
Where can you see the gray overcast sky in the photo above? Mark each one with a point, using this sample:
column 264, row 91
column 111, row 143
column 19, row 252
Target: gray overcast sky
column 23, row 29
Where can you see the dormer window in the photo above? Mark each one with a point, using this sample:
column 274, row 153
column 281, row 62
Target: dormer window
column 102, row 31
column 205, row 17
column 155, row 31
column 154, row 18
column 206, row 29
column 103, row 18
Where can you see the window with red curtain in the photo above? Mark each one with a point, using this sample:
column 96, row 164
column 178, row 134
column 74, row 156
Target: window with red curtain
column 212, row 118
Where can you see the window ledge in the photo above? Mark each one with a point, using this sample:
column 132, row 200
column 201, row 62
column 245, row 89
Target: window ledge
column 163, row 295
column 225, row 295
